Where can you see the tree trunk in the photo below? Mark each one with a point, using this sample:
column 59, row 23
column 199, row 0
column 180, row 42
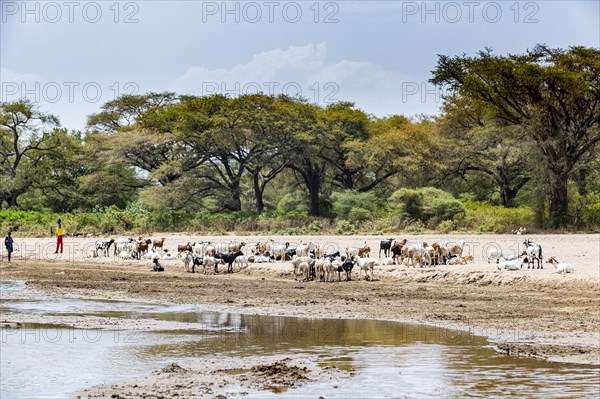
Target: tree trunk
column 314, row 187
column 258, row 193
column 507, row 195
column 559, row 214
column 236, row 203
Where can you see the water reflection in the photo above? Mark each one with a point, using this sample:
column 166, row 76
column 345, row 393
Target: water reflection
column 391, row 359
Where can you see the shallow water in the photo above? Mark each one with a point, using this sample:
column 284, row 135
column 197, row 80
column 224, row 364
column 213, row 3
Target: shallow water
column 392, row 359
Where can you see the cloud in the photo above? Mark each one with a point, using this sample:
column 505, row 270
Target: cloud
column 8, row 76
column 306, row 67
column 308, row 71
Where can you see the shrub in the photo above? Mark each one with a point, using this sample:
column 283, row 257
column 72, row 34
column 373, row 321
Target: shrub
column 315, row 227
column 426, row 204
column 590, row 215
column 486, row 218
column 359, row 215
column 292, row 202
column 344, row 227
column 345, row 202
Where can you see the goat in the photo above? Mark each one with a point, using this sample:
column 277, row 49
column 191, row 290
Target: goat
column 332, row 256
column 241, row 261
column 438, row 256
column 364, row 251
column 454, row 249
column 142, row 246
column 347, row 267
column 385, row 246
column 510, row 265
column 279, row 250
column 561, row 267
column 209, row 249
column 351, row 252
column 261, row 259
column 494, row 253
column 104, row 246
column 236, row 246
column 253, row 249
column 184, row 247
column 366, row 264
column 124, row 255
column 303, row 249
column 462, row 260
column 302, row 271
column 197, row 261
column 329, row 270
column 124, row 244
column 210, row 261
column 396, row 249
column 534, row 253
column 320, row 270
column 290, row 253
column 388, row 261
column 228, row 259
column 299, row 259
column 187, row 259
column 158, row 243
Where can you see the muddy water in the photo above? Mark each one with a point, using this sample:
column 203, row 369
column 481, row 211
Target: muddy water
column 389, row 359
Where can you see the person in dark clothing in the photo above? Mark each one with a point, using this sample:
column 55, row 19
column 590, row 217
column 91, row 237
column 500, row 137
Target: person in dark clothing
column 157, row 266
column 8, row 243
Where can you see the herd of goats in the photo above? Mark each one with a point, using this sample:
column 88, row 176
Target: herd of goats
column 312, row 261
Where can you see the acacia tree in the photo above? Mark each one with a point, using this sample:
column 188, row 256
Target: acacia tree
column 476, row 144
column 268, row 139
column 27, row 136
column 554, row 94
column 126, row 110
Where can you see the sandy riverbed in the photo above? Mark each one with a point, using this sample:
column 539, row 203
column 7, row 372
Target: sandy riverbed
column 528, row 313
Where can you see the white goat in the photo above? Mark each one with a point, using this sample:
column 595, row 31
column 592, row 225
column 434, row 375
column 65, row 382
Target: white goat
column 124, row 255
column 303, row 249
column 187, row 259
column 510, row 265
column 210, row 262
column 366, row 264
column 241, row 261
column 279, row 250
column 561, row 267
column 351, row 252
column 329, row 270
column 302, row 271
column 533, row 252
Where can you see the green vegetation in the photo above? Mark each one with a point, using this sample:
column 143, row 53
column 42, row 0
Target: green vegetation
column 515, row 146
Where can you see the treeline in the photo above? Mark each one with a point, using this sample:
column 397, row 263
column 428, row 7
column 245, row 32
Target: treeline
column 516, row 131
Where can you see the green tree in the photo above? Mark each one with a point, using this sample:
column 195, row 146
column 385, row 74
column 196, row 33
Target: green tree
column 476, row 144
column 27, row 136
column 125, row 111
column 554, row 94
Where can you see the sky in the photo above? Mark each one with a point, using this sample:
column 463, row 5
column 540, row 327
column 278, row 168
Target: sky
column 70, row 57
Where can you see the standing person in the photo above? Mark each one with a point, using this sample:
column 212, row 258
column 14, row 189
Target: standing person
column 59, row 236
column 8, row 243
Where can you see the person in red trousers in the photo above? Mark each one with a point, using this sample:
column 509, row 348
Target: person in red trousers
column 59, row 237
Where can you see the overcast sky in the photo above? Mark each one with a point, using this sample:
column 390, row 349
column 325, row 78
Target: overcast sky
column 72, row 56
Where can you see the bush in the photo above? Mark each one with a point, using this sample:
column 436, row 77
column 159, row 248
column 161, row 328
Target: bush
column 315, row 227
column 590, row 215
column 426, row 204
column 486, row 218
column 292, row 202
column 359, row 215
column 345, row 202
column 344, row 227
